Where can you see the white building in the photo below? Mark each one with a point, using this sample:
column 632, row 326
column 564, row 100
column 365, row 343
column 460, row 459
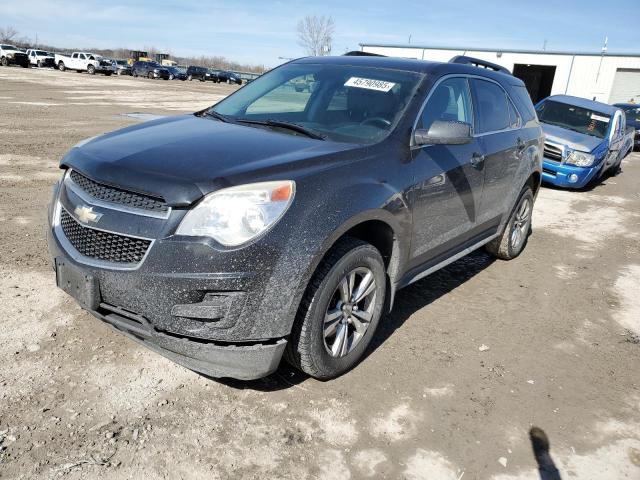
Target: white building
column 608, row 78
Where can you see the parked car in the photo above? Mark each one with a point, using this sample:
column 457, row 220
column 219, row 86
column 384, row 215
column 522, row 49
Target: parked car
column 632, row 114
column 177, row 73
column 11, row 55
column 229, row 77
column 85, row 62
column 40, row 58
column 123, row 67
column 277, row 221
column 150, row 70
column 196, row 73
column 585, row 140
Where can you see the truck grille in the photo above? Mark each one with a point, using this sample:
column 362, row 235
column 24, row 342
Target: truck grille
column 552, row 152
column 100, row 245
column 117, row 195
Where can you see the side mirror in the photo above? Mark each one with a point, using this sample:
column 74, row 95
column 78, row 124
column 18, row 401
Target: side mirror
column 443, row 132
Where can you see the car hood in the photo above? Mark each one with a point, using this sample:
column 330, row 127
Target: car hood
column 183, row 158
column 569, row 138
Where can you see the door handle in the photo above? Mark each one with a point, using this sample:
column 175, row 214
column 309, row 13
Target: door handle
column 477, row 160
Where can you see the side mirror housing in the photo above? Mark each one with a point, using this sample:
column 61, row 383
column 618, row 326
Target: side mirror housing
column 443, row 132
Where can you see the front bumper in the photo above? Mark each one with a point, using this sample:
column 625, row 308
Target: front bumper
column 560, row 174
column 181, row 339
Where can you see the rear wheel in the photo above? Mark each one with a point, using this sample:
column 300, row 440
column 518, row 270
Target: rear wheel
column 510, row 243
column 340, row 310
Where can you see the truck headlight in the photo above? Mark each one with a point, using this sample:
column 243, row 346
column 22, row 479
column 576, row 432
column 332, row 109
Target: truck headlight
column 580, row 159
column 235, row 215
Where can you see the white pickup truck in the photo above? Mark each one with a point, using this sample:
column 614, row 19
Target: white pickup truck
column 40, row 58
column 85, row 62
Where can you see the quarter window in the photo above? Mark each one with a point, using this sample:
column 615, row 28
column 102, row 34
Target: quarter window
column 491, row 106
column 450, row 101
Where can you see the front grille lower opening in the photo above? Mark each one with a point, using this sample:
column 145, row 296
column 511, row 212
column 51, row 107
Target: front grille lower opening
column 99, row 245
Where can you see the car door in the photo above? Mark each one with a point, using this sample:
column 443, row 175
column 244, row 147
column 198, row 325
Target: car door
column 446, row 195
column 616, row 139
column 498, row 130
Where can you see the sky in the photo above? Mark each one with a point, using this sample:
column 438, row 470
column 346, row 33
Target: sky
column 260, row 32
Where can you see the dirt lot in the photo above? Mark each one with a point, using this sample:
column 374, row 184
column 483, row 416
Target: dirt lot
column 562, row 323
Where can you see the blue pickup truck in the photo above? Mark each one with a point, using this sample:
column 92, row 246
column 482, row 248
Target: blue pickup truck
column 584, row 139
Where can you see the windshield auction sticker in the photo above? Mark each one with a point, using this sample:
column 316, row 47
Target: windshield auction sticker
column 369, row 84
column 599, row 118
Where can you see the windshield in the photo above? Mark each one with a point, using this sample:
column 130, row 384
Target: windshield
column 339, row 102
column 8, row 47
column 40, row 52
column 578, row 119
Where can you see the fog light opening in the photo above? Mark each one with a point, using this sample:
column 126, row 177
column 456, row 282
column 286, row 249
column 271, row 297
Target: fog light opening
column 573, row 178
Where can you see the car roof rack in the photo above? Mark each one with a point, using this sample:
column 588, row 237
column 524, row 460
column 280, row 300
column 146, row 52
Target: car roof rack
column 358, row 53
column 476, row 62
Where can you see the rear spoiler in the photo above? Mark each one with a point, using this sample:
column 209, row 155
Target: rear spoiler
column 476, row 62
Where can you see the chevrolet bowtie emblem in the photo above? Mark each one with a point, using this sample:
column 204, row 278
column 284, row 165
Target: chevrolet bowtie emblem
column 86, row 214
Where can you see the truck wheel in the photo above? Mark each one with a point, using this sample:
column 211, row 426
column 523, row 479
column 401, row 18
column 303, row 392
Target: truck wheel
column 61, row 66
column 150, row 75
column 107, row 74
column 91, row 70
column 189, row 78
column 340, row 310
column 26, row 65
column 4, row 62
column 510, row 243
column 39, row 64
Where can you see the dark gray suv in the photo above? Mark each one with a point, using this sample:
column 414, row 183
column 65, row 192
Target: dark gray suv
column 282, row 222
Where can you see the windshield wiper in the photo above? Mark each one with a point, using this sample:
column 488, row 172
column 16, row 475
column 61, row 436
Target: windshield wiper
column 282, row 124
column 216, row 115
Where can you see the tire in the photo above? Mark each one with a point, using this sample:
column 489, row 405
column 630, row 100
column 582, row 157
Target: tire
column 61, row 67
column 511, row 242
column 107, row 74
column 91, row 70
column 171, row 77
column 150, row 75
column 119, row 72
column 189, row 78
column 3, row 62
column 26, row 65
column 323, row 355
column 39, row 64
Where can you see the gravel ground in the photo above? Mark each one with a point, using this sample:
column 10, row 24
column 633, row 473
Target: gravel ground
column 561, row 323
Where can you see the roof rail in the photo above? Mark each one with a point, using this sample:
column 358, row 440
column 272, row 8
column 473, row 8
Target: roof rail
column 358, row 53
column 476, row 62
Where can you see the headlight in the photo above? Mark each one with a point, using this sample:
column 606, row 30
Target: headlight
column 235, row 215
column 580, row 159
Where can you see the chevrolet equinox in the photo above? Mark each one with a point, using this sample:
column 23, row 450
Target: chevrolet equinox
column 282, row 222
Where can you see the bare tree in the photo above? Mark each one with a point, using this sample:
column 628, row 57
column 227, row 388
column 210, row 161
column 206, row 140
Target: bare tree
column 315, row 34
column 7, row 34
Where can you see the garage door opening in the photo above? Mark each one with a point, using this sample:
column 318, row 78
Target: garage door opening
column 537, row 78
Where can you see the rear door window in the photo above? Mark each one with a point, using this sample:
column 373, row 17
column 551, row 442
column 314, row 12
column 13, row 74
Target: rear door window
column 491, row 105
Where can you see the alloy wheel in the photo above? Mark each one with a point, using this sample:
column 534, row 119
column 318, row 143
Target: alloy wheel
column 350, row 312
column 521, row 222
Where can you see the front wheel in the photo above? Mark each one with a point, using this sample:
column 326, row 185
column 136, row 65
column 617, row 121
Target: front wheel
column 511, row 242
column 91, row 70
column 4, row 62
column 190, row 78
column 39, row 64
column 340, row 310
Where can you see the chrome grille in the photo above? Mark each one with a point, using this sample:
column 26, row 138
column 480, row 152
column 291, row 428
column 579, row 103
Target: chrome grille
column 106, row 246
column 552, row 152
column 116, row 195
